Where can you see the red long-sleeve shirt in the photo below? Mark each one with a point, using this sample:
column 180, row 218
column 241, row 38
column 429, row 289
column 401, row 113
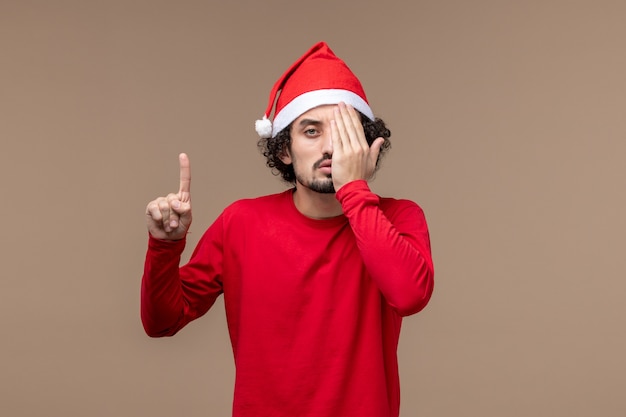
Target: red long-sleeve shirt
column 314, row 307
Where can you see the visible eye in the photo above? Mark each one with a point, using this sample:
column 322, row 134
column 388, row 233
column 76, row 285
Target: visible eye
column 311, row 132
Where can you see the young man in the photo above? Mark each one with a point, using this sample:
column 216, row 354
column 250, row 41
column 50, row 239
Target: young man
column 315, row 279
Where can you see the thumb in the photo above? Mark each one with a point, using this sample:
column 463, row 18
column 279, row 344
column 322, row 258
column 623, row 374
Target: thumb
column 181, row 207
column 183, row 211
column 375, row 150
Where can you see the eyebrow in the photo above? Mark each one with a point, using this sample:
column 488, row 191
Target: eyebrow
column 305, row 122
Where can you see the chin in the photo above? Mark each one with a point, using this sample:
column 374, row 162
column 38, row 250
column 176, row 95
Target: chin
column 324, row 186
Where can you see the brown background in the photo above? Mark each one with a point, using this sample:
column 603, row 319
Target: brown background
column 508, row 129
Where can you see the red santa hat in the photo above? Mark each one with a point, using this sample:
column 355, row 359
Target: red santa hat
column 318, row 77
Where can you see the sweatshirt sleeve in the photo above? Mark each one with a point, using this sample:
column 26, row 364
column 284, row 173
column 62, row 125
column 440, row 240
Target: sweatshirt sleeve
column 171, row 297
column 395, row 246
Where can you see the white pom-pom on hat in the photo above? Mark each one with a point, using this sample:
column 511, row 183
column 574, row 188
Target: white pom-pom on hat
column 263, row 127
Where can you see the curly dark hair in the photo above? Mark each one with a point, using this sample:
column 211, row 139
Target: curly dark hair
column 274, row 148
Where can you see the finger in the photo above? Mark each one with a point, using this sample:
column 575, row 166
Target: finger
column 334, row 137
column 352, row 120
column 184, row 191
column 152, row 210
column 173, row 204
column 178, row 206
column 375, row 150
column 164, row 208
column 343, row 139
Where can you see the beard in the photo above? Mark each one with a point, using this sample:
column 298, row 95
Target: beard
column 322, row 186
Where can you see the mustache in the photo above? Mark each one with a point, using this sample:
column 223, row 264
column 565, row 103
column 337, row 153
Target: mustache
column 324, row 158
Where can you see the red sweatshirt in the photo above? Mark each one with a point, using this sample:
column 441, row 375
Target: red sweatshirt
column 314, row 307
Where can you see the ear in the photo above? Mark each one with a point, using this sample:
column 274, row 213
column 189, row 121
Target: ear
column 285, row 157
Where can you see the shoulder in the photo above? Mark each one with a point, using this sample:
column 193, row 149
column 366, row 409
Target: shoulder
column 399, row 206
column 256, row 205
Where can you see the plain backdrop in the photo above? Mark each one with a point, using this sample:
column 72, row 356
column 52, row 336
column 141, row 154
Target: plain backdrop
column 508, row 128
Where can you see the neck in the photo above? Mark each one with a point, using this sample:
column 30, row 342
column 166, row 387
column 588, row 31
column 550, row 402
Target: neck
column 316, row 205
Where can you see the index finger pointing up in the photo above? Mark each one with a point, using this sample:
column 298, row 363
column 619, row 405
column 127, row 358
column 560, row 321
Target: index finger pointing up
column 184, row 192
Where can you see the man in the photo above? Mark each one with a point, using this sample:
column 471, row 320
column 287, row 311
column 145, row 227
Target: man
column 315, row 279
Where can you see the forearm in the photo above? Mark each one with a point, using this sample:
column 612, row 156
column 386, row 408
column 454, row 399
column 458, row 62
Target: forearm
column 396, row 254
column 162, row 301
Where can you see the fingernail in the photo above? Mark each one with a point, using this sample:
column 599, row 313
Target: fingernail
column 176, row 204
column 173, row 223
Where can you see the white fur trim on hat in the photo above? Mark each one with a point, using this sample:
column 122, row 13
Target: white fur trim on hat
column 311, row 99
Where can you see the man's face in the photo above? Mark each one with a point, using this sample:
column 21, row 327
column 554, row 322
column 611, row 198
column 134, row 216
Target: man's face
column 311, row 149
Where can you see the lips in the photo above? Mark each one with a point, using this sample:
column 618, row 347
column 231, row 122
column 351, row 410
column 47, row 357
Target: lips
column 325, row 164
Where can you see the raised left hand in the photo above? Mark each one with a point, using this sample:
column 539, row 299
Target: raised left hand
column 352, row 158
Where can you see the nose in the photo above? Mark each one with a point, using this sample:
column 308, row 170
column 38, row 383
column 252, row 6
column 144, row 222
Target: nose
column 327, row 143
